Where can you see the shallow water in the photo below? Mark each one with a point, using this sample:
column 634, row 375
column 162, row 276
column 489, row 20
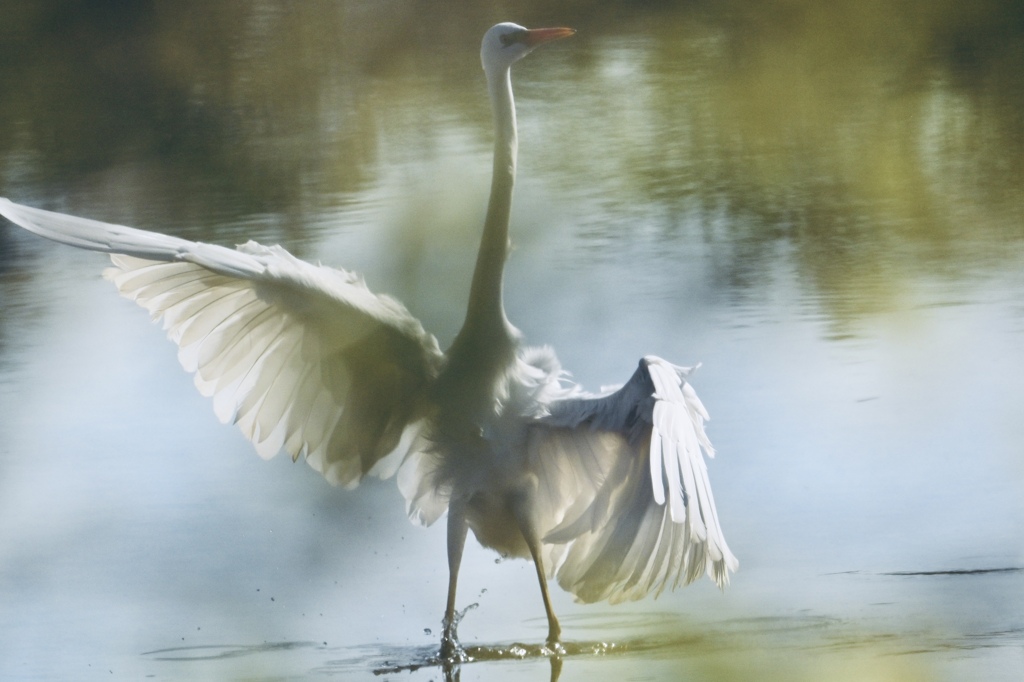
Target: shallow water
column 825, row 207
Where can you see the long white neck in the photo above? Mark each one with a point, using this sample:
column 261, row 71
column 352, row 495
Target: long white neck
column 486, row 312
column 481, row 353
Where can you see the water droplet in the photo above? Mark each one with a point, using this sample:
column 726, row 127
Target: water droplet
column 427, row 631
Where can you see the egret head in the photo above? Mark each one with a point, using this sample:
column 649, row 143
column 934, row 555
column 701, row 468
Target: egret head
column 506, row 43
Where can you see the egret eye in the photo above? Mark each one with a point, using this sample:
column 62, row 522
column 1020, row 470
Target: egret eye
column 512, row 37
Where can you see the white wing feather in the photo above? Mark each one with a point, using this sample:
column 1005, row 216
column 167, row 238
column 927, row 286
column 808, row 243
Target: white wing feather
column 306, row 359
column 627, row 490
column 302, row 358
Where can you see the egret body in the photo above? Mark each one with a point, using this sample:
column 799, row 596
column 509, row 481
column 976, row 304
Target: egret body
column 607, row 493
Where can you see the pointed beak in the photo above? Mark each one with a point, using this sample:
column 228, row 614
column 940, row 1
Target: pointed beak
column 539, row 36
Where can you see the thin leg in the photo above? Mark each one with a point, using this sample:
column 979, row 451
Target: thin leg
column 526, row 527
column 457, row 530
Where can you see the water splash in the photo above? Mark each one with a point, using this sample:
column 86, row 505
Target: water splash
column 452, row 651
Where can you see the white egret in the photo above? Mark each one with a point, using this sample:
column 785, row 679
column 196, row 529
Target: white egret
column 607, row 493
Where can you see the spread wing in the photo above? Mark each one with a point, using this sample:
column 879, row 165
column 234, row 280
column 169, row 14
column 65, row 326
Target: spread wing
column 301, row 357
column 624, row 482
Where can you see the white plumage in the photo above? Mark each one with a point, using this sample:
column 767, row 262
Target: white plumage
column 607, row 493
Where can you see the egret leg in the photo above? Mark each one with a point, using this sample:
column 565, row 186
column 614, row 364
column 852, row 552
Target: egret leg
column 457, row 529
column 529, row 531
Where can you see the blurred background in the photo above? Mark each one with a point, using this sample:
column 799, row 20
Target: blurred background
column 821, row 202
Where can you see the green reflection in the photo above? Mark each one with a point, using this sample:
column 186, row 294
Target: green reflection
column 875, row 141
column 848, row 132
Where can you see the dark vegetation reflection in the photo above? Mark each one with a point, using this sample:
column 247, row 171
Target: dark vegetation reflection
column 869, row 139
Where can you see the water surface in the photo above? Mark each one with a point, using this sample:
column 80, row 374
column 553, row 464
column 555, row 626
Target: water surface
column 824, row 206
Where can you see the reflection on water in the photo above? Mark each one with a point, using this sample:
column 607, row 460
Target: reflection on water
column 875, row 143
column 822, row 202
column 764, row 648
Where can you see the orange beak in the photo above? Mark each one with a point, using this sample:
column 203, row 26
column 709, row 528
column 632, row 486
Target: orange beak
column 538, row 36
